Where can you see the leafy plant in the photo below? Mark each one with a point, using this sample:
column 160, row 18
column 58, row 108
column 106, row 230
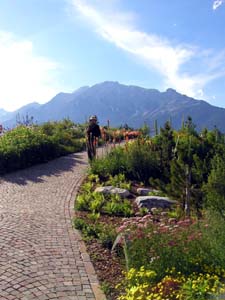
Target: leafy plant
column 119, row 181
column 107, row 235
column 117, row 206
column 97, row 202
column 88, row 230
column 82, row 202
column 106, row 288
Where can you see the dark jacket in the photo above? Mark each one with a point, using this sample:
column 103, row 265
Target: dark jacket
column 93, row 130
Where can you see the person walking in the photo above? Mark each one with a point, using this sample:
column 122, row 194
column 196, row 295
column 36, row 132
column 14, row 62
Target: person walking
column 93, row 133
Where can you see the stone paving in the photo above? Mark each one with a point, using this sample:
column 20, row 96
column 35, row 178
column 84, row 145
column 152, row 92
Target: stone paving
column 41, row 256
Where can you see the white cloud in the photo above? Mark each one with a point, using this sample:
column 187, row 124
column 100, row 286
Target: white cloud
column 217, row 3
column 156, row 52
column 24, row 76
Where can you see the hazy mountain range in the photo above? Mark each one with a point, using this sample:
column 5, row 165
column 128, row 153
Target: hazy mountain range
column 121, row 104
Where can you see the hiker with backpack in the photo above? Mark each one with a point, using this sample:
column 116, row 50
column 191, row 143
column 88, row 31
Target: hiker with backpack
column 93, row 133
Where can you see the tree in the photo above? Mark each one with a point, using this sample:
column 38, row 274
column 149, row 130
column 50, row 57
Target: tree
column 165, row 144
column 215, row 187
column 189, row 126
column 145, row 130
column 188, row 171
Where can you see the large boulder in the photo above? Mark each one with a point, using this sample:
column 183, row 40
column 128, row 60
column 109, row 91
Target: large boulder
column 150, row 202
column 123, row 193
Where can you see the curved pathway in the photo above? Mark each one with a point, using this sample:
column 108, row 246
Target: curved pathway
column 41, row 256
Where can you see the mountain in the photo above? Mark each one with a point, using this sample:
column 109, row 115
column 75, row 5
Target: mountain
column 124, row 104
column 4, row 115
column 10, row 119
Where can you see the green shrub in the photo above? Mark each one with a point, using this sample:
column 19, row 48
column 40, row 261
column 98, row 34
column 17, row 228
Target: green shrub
column 112, row 164
column 25, row 146
column 141, row 162
column 121, row 208
column 88, row 230
column 107, row 236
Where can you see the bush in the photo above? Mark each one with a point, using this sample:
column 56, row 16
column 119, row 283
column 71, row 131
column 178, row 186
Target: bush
column 88, row 230
column 106, row 234
column 25, row 146
column 141, row 162
column 136, row 161
column 112, row 164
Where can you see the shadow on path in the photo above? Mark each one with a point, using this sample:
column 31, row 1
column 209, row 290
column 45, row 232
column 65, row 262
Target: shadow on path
column 54, row 167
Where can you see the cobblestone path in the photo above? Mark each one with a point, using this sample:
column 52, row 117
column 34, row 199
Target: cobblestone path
column 41, row 256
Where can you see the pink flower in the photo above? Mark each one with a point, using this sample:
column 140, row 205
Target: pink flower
column 172, row 243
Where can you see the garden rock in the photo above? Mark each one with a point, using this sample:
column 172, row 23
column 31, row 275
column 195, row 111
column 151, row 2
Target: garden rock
column 150, row 202
column 145, row 191
column 123, row 193
column 113, row 190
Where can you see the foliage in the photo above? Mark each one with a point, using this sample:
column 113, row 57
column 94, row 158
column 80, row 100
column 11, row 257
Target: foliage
column 25, row 146
column 118, row 207
column 89, row 200
column 137, row 284
column 186, row 245
column 182, row 254
column 105, row 233
column 141, row 161
column 145, row 130
column 140, row 284
column 106, row 288
column 68, row 136
column 112, row 164
column 201, row 287
column 119, row 181
column 88, row 230
column 215, row 187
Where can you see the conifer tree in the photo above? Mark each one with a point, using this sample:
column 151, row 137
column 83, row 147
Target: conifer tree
column 215, row 187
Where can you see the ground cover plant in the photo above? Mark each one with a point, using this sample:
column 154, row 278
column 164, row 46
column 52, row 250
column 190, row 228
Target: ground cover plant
column 159, row 254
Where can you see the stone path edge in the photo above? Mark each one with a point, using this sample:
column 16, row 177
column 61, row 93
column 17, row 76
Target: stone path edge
column 92, row 276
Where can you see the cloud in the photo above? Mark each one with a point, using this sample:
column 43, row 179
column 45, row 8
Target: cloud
column 217, row 3
column 156, row 52
column 24, row 76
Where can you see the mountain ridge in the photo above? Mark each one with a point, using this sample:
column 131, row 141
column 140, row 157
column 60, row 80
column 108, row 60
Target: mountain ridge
column 122, row 104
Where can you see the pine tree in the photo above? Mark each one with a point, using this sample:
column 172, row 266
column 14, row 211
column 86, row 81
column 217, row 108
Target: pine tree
column 215, row 187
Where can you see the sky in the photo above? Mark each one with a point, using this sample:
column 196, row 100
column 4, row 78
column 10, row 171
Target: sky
column 52, row 46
